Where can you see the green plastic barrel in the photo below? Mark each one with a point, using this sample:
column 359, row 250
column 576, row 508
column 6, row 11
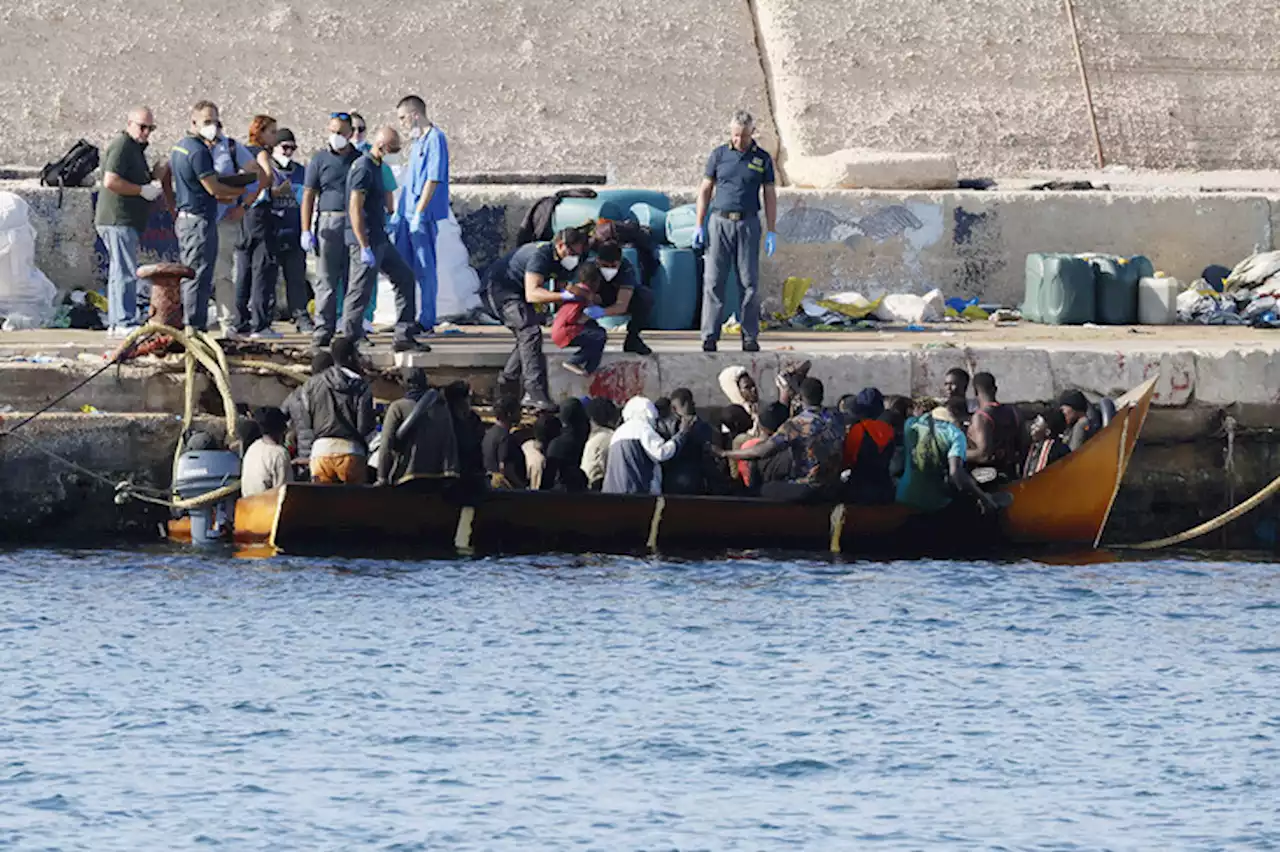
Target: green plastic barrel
column 1060, row 290
column 652, row 218
column 576, row 212
column 675, row 289
column 681, row 223
column 628, row 198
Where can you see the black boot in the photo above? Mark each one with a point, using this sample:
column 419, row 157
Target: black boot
column 635, row 345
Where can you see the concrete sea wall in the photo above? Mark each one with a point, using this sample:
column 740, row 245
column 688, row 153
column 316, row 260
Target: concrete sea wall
column 968, row 243
column 642, row 90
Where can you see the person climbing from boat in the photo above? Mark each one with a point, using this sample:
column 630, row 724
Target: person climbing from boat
column 575, row 322
column 566, row 450
column 1081, row 425
column 775, row 468
column 637, row 451
column 741, row 389
column 513, row 287
column 935, row 452
column 266, row 462
column 604, row 416
column 418, row 438
column 995, row 433
column 814, row 439
column 503, row 458
column 868, row 450
column 1046, row 442
column 338, row 410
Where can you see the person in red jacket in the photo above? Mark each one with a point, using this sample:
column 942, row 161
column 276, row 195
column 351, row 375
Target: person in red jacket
column 575, row 323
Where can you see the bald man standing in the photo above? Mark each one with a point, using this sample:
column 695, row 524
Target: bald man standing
column 124, row 205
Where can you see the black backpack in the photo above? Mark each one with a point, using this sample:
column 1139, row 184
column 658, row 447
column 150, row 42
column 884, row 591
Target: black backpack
column 72, row 170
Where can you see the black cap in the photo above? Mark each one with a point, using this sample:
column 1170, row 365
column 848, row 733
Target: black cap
column 1074, row 400
column 284, row 134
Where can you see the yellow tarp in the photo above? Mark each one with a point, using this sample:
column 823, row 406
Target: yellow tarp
column 793, row 291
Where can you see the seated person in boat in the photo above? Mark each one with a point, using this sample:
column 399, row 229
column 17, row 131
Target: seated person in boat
column 266, row 463
column 935, row 453
column 896, row 411
column 418, row 438
column 637, row 450
column 566, row 449
column 955, row 384
column 692, row 470
column 774, row 468
column 542, row 473
column 813, row 439
column 1083, row 419
column 1046, row 442
column 338, row 410
column 293, row 407
column 468, row 428
column 731, row 427
column 604, row 419
column 995, row 433
column 868, row 450
column 503, row 457
column 741, row 389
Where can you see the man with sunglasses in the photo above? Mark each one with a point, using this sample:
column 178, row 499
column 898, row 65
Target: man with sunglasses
column 198, row 192
column 291, row 261
column 324, row 221
column 124, row 204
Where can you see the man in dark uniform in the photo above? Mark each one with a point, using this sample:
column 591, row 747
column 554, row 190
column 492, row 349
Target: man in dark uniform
column 371, row 252
column 512, row 286
column 623, row 294
column 324, row 221
column 736, row 173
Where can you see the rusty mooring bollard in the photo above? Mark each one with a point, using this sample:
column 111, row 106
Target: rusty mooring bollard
column 166, row 291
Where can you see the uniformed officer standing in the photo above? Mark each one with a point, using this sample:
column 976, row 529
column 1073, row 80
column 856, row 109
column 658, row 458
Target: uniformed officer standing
column 736, row 173
column 370, row 252
column 198, row 191
column 513, row 285
column 324, row 221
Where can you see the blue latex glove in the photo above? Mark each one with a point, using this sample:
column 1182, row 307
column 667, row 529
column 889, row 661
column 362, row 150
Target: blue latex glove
column 566, row 296
column 699, row 237
column 393, row 222
column 595, row 312
column 308, row 241
column 770, row 244
column 367, row 257
column 415, row 221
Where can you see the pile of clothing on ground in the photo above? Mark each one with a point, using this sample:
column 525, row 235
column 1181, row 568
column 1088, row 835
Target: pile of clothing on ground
column 1248, row 295
column 808, row 308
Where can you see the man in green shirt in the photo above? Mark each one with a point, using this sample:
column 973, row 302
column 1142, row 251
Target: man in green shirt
column 124, row 204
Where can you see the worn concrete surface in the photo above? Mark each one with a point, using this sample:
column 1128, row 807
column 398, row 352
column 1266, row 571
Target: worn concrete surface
column 642, row 91
column 967, row 243
column 1215, row 368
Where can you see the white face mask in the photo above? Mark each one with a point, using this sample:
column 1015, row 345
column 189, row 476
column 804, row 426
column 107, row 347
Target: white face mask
column 209, row 131
column 282, row 160
column 608, row 273
column 337, row 141
column 569, row 262
column 392, row 159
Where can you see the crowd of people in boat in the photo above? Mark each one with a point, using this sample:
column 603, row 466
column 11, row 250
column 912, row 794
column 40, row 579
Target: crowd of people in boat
column 798, row 446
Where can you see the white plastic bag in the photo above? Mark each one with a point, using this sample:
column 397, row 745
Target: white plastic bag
column 909, row 308
column 459, row 283
column 26, row 294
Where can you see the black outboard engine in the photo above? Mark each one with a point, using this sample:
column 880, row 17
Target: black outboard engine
column 202, row 471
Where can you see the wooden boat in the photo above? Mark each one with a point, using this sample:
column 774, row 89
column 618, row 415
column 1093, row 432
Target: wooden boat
column 1067, row 504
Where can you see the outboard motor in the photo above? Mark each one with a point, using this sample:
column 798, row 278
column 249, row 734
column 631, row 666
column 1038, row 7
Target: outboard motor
column 202, row 471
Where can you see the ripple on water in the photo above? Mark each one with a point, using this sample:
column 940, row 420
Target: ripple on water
column 634, row 704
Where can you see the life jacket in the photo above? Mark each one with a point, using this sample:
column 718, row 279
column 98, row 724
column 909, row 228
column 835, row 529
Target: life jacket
column 1005, row 426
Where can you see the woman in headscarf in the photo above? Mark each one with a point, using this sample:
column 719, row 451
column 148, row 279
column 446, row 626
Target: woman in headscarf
column 566, row 449
column 637, row 451
column 741, row 389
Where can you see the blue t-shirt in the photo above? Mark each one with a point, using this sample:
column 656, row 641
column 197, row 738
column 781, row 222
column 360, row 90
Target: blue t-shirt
column 327, row 175
column 428, row 160
column 929, row 491
column 366, row 176
column 190, row 161
column 739, row 178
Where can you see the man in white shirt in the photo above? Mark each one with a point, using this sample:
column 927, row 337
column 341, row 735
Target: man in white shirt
column 266, row 463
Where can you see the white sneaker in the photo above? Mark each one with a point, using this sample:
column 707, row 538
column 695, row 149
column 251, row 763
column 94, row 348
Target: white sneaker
column 266, row 334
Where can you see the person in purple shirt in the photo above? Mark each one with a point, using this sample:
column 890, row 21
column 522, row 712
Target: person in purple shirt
column 424, row 202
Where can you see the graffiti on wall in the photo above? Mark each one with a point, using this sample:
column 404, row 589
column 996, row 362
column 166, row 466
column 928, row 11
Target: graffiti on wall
column 804, row 223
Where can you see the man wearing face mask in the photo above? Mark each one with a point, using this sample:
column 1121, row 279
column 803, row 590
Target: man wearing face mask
column 121, row 216
column 290, row 259
column 623, row 294
column 324, row 221
column 369, row 249
column 198, row 192
column 424, row 201
column 513, row 285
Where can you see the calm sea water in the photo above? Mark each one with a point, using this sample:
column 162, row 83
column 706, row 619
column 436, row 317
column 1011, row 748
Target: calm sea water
column 162, row 702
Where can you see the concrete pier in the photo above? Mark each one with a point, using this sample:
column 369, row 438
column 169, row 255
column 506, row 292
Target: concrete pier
column 1218, row 391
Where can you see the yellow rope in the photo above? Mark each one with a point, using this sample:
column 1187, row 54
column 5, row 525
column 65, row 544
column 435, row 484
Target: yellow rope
column 1209, row 526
